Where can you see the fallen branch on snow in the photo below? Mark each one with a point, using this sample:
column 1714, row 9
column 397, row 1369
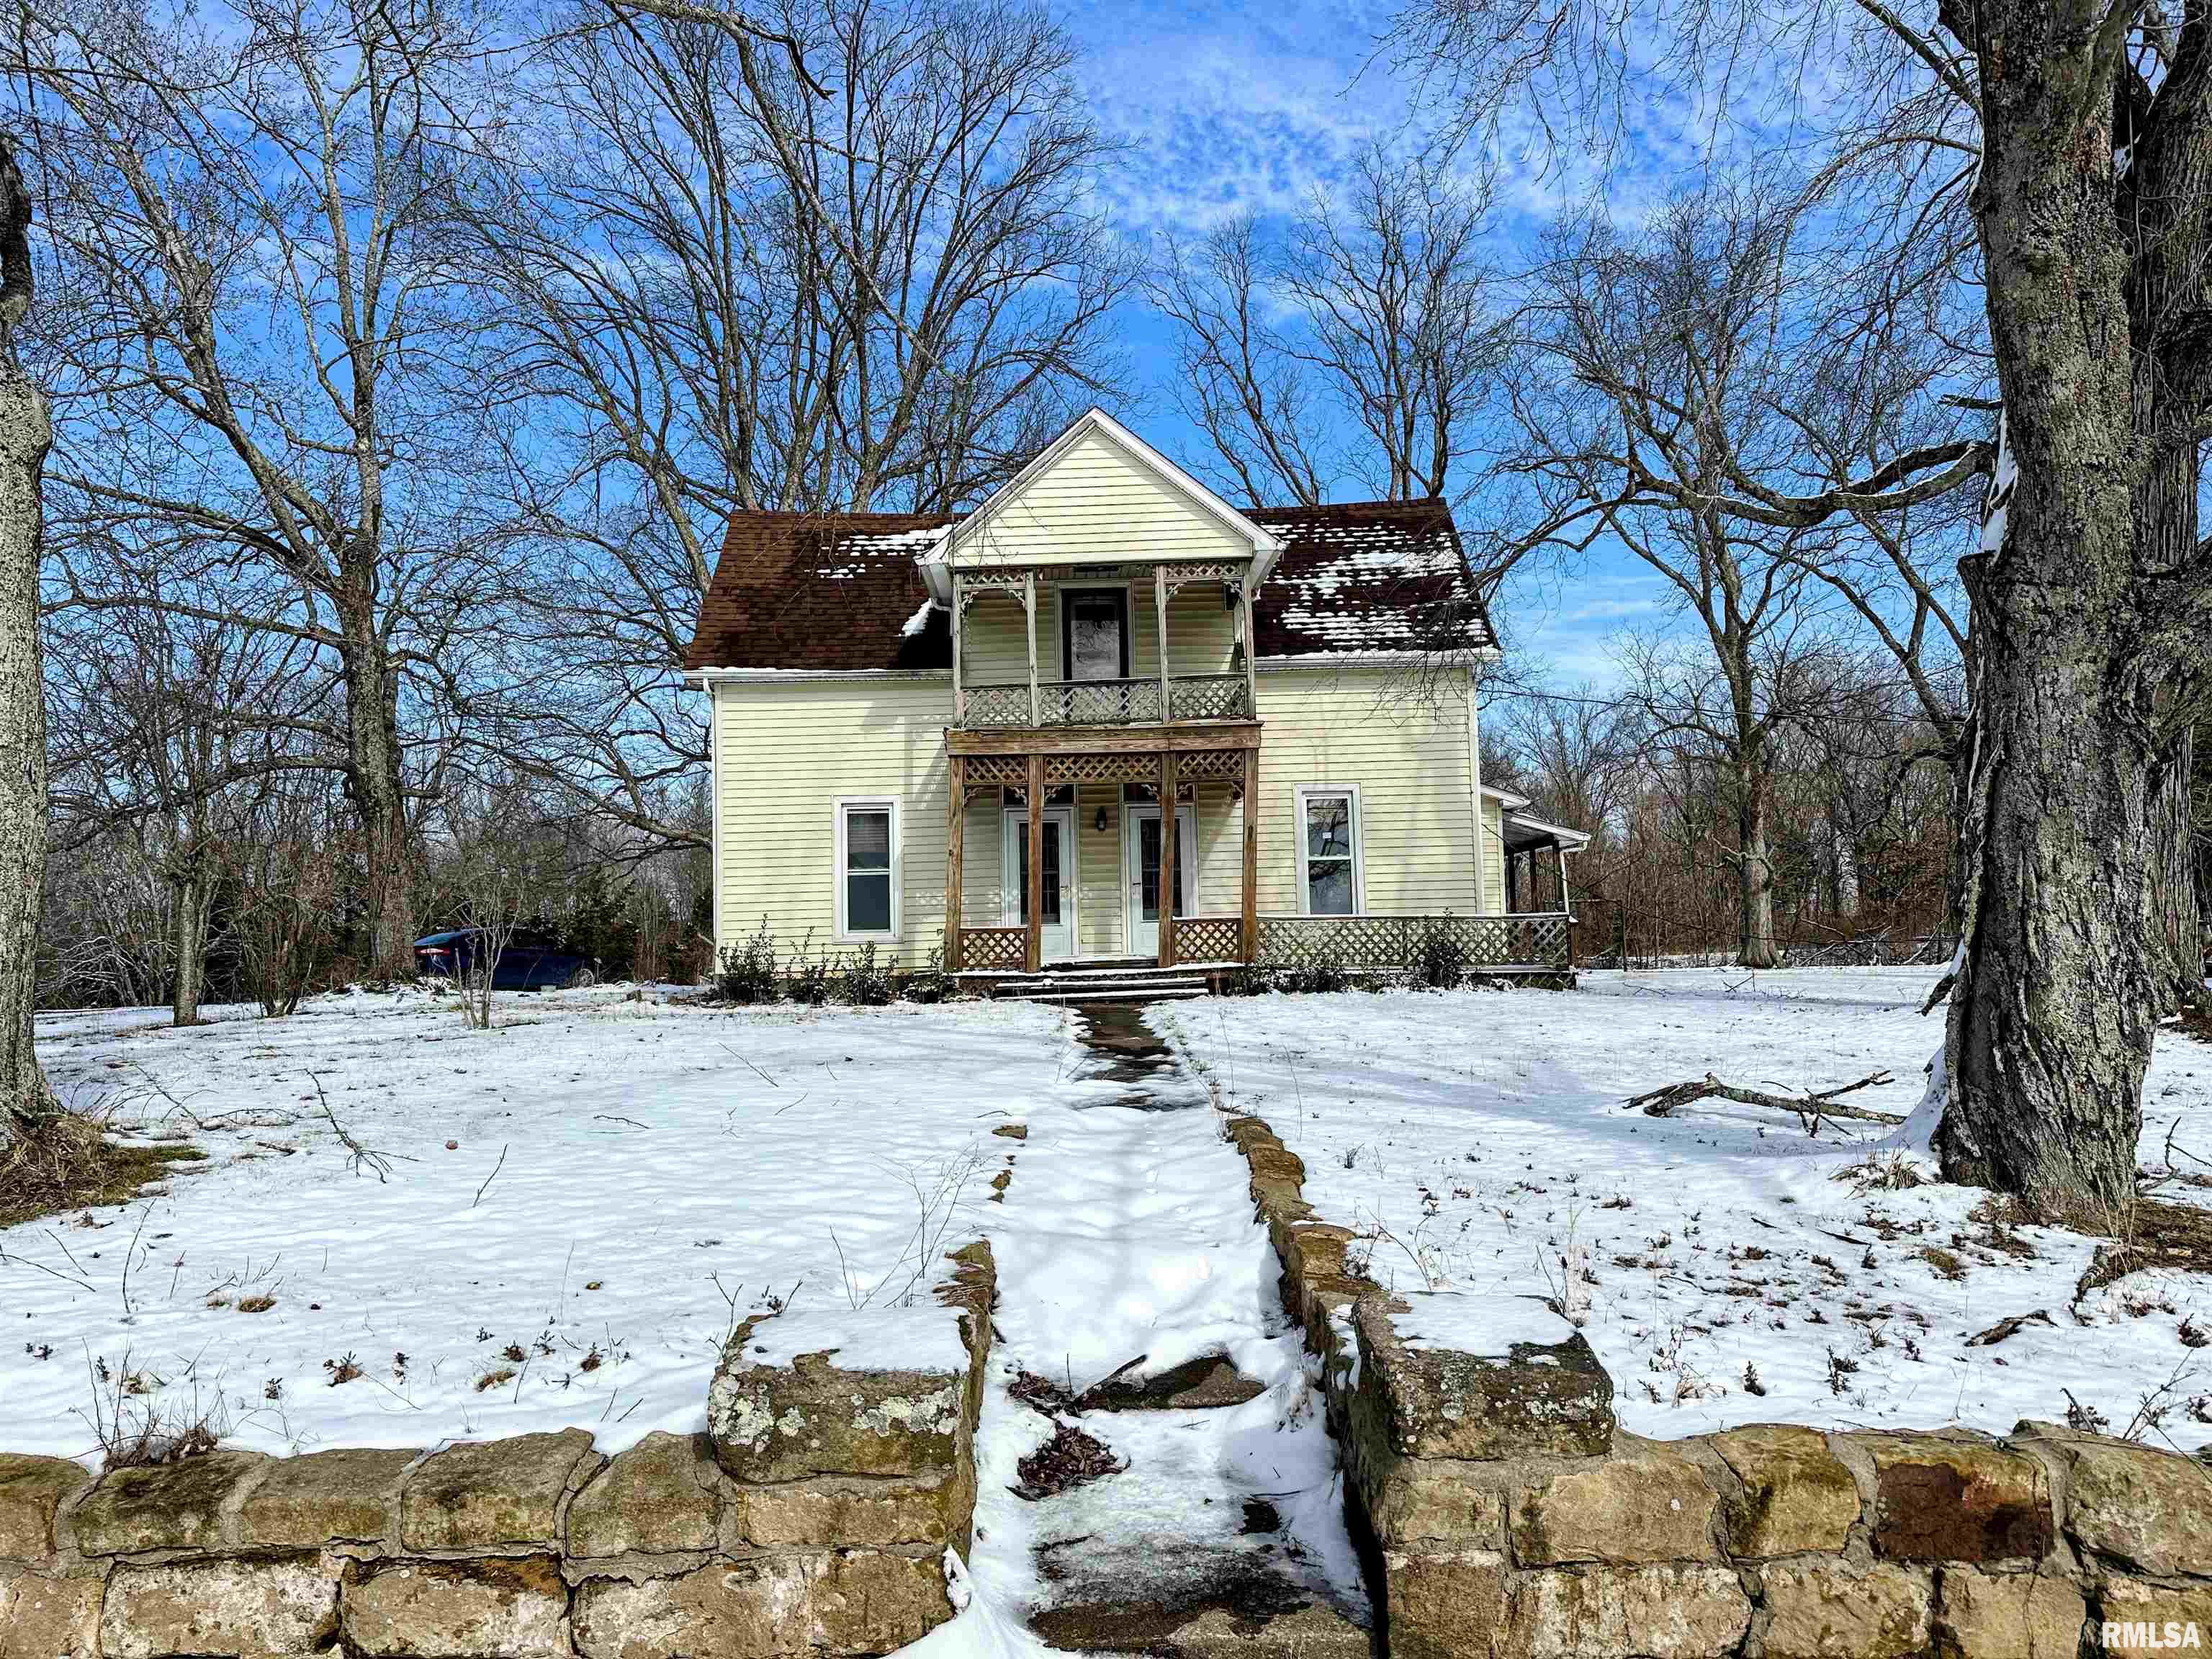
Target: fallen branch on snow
column 1810, row 1109
column 379, row 1161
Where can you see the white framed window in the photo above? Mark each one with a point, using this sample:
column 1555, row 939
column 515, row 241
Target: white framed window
column 1332, row 881
column 867, row 867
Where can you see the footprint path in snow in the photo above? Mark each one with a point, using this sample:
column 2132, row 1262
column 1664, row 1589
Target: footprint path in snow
column 1127, row 1232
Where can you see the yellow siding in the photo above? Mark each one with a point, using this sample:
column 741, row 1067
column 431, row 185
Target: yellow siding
column 1096, row 503
column 1201, row 634
column 787, row 750
column 1494, row 854
column 1407, row 755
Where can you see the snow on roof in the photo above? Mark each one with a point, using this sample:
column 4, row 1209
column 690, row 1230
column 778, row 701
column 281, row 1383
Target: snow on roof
column 1365, row 576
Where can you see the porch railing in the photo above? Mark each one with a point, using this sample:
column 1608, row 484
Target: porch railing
column 1208, row 938
column 1107, row 702
column 988, row 950
column 1539, row 939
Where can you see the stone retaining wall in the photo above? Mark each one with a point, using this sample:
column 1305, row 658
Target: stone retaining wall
column 824, row 1536
column 1507, row 1514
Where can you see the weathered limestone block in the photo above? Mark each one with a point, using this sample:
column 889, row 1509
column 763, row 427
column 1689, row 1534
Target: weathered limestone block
column 231, row 1606
column 1314, row 1248
column 662, row 1496
column 349, row 1496
column 732, row 1609
column 832, row 1510
column 495, row 1494
column 515, row 1609
column 1940, row 1499
column 1527, row 1397
column 42, row 1618
column 2149, row 1508
column 1280, row 1199
column 1416, row 1500
column 1270, row 1160
column 1313, row 1631
column 851, row 1602
column 1797, row 1495
column 1644, row 1503
column 777, row 1423
column 1603, row 1612
column 2131, row 1602
column 874, row 1601
column 32, row 1491
column 1445, row 1604
column 1837, row 1610
column 177, row 1505
column 2021, row 1615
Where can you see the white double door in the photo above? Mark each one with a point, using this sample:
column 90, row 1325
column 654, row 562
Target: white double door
column 1141, row 871
column 1056, row 939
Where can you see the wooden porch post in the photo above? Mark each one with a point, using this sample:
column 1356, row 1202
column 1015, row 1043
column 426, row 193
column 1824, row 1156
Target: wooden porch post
column 1251, row 651
column 1512, row 881
column 1029, row 614
column 1160, row 608
column 959, row 712
column 956, row 823
column 1250, row 939
column 1033, row 947
column 1167, row 852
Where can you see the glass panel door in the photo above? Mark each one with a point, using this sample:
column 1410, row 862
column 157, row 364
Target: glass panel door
column 1057, row 936
column 1141, row 858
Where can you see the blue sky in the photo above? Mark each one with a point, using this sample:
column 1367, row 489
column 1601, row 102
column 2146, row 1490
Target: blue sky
column 1236, row 105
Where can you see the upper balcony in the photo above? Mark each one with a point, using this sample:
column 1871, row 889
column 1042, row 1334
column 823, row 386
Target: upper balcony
column 1058, row 649
column 1105, row 703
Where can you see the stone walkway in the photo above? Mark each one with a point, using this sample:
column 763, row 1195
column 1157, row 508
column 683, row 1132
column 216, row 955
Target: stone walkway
column 1141, row 1331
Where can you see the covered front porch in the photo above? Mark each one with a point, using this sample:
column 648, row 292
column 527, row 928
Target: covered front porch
column 1070, row 838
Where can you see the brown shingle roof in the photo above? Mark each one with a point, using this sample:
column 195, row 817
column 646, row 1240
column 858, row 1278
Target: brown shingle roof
column 840, row 591
column 821, row 591
column 1367, row 576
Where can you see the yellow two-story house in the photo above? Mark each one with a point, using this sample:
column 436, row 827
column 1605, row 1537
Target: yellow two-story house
column 969, row 734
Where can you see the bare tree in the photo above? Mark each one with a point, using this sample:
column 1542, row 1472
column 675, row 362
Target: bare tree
column 25, row 433
column 261, row 308
column 1659, row 390
column 726, row 292
column 2079, row 139
column 169, row 710
column 1375, row 314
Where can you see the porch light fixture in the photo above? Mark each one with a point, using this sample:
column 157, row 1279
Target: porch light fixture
column 1099, row 823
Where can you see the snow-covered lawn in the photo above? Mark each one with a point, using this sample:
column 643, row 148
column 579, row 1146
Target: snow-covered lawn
column 1480, row 1137
column 574, row 1208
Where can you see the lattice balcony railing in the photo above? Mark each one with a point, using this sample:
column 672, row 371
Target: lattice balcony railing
column 995, row 705
column 1209, row 938
column 1210, row 697
column 1388, row 943
column 1107, row 702
column 1099, row 703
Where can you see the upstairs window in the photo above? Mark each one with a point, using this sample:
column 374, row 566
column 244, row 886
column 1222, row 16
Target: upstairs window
column 1329, row 825
column 867, row 869
column 1094, row 633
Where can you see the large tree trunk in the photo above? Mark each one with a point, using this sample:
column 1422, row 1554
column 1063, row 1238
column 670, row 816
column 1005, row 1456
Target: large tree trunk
column 1755, row 865
column 190, row 894
column 374, row 786
column 2176, row 918
column 25, row 434
column 2051, row 1021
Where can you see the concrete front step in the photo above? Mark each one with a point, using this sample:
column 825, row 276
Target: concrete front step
column 1110, row 993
